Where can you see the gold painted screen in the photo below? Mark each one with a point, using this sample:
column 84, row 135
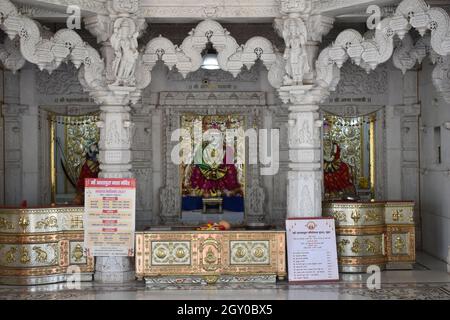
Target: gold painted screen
column 221, row 123
column 354, row 137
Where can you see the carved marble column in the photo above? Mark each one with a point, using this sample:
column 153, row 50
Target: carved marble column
column 115, row 162
column 304, row 191
column 117, row 32
column 302, row 32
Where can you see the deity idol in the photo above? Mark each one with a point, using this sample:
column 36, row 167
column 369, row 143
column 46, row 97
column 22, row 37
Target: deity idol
column 214, row 177
column 338, row 180
column 90, row 169
column 125, row 45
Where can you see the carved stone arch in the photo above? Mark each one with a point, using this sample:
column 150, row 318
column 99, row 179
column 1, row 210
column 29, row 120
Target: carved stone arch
column 160, row 48
column 38, row 46
column 262, row 49
column 440, row 30
column 408, row 54
column 231, row 57
column 221, row 39
column 369, row 53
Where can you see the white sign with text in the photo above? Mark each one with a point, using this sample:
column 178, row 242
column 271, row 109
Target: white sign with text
column 312, row 253
column 109, row 221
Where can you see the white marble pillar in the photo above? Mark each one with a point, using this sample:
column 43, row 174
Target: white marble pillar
column 115, row 162
column 304, row 195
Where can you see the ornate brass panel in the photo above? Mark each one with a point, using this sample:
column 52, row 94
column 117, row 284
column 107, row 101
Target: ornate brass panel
column 38, row 245
column 399, row 213
column 249, row 252
column 171, row 253
column 214, row 255
column 369, row 233
column 355, row 213
column 401, row 240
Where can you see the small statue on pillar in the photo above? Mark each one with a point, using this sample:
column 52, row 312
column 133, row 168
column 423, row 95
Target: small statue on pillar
column 125, row 45
column 294, row 33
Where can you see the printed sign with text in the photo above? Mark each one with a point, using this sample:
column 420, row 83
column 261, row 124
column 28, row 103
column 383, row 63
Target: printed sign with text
column 311, row 246
column 109, row 218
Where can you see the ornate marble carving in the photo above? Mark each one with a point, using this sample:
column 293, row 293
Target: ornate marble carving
column 354, row 81
column 213, row 9
column 62, row 81
column 294, row 32
column 187, row 57
column 10, row 55
column 255, row 200
column 408, row 54
column 351, row 111
column 246, row 75
column 50, row 53
column 441, row 77
column 125, row 45
column 94, row 6
column 123, row 6
column 369, row 53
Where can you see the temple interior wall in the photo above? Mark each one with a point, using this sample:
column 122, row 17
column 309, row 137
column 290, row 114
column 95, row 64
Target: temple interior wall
column 393, row 96
column 435, row 182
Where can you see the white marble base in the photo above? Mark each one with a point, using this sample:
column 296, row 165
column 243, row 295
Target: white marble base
column 114, row 270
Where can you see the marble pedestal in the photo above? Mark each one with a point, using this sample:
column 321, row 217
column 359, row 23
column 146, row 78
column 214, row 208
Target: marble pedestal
column 114, row 270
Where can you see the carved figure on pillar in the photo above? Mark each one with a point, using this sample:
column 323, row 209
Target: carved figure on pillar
column 125, row 45
column 295, row 37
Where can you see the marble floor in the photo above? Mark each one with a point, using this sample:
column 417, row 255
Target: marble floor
column 428, row 280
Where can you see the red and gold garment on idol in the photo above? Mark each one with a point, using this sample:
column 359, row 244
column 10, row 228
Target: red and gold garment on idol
column 337, row 174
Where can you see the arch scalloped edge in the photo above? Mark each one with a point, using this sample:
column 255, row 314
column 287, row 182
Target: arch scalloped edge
column 48, row 54
column 232, row 57
column 369, row 53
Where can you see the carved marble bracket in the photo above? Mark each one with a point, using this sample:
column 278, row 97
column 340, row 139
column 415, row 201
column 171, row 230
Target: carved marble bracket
column 49, row 51
column 369, row 52
column 188, row 57
column 441, row 77
column 10, row 55
column 408, row 53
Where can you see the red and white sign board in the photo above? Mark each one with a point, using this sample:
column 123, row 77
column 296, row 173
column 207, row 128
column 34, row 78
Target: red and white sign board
column 109, row 219
column 311, row 250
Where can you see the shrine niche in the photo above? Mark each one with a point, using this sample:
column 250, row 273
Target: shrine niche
column 348, row 157
column 74, row 155
column 216, row 176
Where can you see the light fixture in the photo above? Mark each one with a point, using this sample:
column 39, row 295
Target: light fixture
column 209, row 55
